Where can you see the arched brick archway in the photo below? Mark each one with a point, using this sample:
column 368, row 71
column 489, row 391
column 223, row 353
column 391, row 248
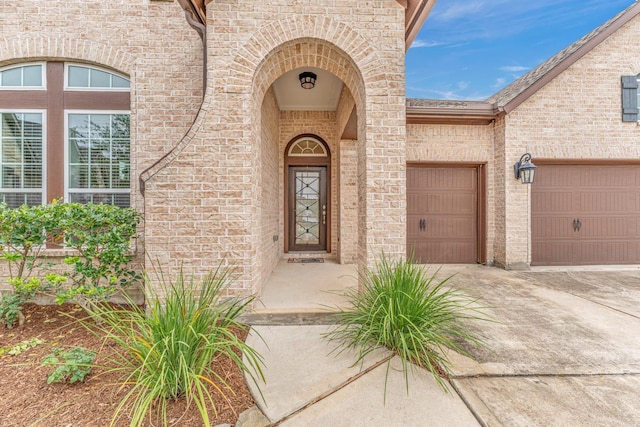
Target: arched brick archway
column 20, row 49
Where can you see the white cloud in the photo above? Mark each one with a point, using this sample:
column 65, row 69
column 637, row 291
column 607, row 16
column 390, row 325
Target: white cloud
column 462, row 85
column 499, row 83
column 514, row 68
column 425, row 43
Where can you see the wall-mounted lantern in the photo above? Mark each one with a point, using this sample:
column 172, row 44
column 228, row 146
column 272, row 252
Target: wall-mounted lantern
column 525, row 169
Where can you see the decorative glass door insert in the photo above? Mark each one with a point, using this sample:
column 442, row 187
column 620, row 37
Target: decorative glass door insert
column 308, row 208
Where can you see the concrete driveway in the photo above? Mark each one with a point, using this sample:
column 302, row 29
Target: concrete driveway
column 564, row 351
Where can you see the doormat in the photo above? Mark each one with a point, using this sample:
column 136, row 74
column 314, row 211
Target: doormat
column 306, row 260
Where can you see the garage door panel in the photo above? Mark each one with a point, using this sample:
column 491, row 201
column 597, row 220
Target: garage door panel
column 442, row 252
column 442, row 214
column 604, row 199
column 554, row 252
column 607, row 227
column 552, row 201
column 552, row 228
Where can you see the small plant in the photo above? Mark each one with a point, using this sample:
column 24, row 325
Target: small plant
column 71, row 365
column 21, row 347
column 411, row 313
column 169, row 349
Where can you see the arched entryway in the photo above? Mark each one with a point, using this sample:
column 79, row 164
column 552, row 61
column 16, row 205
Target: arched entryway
column 307, row 195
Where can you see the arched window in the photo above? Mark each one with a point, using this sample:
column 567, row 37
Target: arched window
column 307, row 147
column 64, row 132
column 29, row 76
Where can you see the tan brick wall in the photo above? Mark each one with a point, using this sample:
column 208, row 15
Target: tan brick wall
column 347, row 184
column 270, row 198
column 576, row 116
column 150, row 42
column 431, row 143
column 348, row 196
column 250, row 45
column 501, row 170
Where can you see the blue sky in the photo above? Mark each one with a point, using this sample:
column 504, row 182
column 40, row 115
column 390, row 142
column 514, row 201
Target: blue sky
column 470, row 49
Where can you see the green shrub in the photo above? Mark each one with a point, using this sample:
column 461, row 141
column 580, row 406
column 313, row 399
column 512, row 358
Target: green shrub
column 101, row 236
column 411, row 313
column 168, row 350
column 71, row 365
column 23, row 237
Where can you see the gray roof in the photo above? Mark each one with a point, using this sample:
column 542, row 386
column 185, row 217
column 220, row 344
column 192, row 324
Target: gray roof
column 528, row 84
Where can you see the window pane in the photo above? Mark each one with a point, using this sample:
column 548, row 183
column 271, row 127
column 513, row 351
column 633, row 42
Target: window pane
column 11, row 150
column 78, row 176
column 32, row 75
column 15, row 200
column 120, row 126
column 100, row 161
column 85, row 77
column 78, row 125
column 120, row 82
column 100, row 125
column 22, row 153
column 118, row 199
column 100, row 152
column 78, row 77
column 12, row 77
column 11, row 176
column 78, row 151
column 100, row 79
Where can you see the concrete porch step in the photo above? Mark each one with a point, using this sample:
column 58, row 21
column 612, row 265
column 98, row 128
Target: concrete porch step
column 282, row 318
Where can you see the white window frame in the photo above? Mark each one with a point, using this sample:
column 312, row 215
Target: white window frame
column 43, row 68
column 43, row 189
column 93, row 88
column 66, row 156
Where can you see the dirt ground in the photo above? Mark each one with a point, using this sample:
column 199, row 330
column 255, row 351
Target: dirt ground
column 27, row 400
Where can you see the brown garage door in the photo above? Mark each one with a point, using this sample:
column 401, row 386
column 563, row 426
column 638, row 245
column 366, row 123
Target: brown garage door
column 442, row 214
column 585, row 214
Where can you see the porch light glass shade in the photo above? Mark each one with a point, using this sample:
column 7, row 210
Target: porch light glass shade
column 307, row 80
column 525, row 170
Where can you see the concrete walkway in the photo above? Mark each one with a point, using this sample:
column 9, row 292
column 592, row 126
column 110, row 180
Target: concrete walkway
column 564, row 351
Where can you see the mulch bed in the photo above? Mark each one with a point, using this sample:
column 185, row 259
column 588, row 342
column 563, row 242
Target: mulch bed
column 26, row 398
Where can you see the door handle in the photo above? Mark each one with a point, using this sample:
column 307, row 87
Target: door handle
column 324, row 214
column 577, row 224
column 422, row 224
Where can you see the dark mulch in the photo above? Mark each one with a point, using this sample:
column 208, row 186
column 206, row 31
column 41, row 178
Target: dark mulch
column 26, row 399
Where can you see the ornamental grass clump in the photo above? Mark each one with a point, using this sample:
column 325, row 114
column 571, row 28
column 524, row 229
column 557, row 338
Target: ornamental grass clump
column 168, row 349
column 413, row 314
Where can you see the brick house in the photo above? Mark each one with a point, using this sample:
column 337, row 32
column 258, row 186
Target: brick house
column 211, row 134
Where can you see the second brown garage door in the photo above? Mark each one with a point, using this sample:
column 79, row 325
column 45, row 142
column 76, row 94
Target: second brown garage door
column 442, row 214
column 585, row 214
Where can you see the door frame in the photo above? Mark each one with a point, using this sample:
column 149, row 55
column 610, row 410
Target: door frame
column 481, row 208
column 306, row 161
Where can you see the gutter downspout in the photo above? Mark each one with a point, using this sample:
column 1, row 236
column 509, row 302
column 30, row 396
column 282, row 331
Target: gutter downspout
column 194, row 21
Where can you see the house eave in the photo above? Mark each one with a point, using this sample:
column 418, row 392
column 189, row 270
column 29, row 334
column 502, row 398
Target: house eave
column 416, row 12
column 463, row 113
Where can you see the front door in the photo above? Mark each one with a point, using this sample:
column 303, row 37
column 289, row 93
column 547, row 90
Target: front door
column 307, row 208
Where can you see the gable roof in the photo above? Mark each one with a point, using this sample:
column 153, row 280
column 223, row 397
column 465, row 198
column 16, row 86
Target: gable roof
column 519, row 91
